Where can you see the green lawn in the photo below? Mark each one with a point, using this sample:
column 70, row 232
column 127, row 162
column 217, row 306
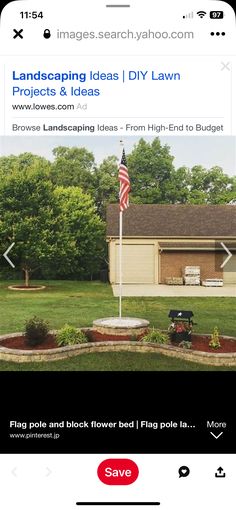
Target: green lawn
column 79, row 303
column 113, row 361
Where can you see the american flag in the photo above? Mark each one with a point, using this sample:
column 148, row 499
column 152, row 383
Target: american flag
column 124, row 183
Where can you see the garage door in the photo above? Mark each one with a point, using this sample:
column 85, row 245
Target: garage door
column 138, row 263
column 230, row 270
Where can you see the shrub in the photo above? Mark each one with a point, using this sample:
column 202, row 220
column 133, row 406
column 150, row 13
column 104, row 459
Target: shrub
column 215, row 341
column 36, row 331
column 185, row 344
column 69, row 335
column 155, row 336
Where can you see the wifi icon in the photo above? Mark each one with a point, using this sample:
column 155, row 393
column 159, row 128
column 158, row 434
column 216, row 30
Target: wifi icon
column 201, row 14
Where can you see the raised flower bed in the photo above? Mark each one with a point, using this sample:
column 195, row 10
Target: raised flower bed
column 13, row 348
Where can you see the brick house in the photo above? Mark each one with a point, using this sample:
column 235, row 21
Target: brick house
column 160, row 240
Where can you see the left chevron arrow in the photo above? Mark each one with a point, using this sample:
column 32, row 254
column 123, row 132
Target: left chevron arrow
column 6, row 253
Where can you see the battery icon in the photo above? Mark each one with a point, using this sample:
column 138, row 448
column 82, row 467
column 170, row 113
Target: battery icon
column 216, row 14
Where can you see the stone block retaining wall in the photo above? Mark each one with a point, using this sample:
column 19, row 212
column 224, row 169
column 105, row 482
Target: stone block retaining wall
column 22, row 356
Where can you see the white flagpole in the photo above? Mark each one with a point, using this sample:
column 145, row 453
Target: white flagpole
column 120, row 263
column 120, row 254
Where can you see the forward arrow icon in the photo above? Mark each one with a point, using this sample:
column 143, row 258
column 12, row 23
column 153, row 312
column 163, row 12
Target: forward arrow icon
column 6, row 253
column 229, row 255
column 48, row 471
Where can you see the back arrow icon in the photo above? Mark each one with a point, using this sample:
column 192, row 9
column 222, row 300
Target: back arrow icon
column 229, row 255
column 6, row 253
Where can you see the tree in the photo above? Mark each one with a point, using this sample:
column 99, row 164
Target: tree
column 106, row 184
column 82, row 225
column 231, row 195
column 218, row 185
column 150, row 166
column 73, row 166
column 30, row 216
column 176, row 189
column 9, row 164
column 210, row 186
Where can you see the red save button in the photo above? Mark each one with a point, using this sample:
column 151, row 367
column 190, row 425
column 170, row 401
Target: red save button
column 118, row 471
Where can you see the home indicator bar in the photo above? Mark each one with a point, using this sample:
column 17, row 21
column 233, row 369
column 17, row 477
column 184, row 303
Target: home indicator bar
column 120, row 503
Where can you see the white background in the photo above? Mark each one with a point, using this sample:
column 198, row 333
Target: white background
column 56, row 482
column 204, row 93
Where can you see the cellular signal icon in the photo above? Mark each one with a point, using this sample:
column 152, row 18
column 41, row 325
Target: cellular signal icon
column 189, row 15
column 201, row 14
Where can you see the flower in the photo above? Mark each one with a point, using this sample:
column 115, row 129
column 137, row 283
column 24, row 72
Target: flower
column 180, row 327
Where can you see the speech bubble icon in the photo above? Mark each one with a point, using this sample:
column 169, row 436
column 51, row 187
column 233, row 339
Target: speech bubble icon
column 184, row 471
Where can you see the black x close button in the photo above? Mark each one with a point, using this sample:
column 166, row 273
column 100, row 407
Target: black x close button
column 18, row 33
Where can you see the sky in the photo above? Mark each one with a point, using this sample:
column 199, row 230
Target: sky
column 207, row 151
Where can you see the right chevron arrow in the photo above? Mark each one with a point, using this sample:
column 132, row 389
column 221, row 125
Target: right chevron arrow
column 229, row 255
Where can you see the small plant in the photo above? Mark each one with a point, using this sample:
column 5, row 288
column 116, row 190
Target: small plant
column 69, row 335
column 180, row 327
column 36, row 331
column 185, row 344
column 180, row 331
column 155, row 336
column 215, row 341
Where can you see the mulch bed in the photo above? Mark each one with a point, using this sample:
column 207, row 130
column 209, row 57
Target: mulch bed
column 23, row 287
column 199, row 343
column 20, row 342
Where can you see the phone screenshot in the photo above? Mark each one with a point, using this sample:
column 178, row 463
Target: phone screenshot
column 117, row 255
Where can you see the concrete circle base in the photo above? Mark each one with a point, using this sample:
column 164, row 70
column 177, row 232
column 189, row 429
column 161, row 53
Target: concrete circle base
column 118, row 326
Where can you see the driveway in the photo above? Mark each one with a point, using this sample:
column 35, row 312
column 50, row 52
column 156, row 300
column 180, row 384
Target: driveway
column 150, row 290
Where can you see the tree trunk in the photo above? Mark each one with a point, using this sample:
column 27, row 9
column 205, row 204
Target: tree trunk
column 27, row 277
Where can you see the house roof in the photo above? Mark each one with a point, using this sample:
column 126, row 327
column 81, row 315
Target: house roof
column 200, row 245
column 154, row 220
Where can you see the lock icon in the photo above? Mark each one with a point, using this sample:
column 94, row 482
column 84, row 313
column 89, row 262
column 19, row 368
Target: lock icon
column 46, row 33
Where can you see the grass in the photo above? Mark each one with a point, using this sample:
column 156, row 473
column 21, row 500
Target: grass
column 79, row 303
column 115, row 362
column 76, row 303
